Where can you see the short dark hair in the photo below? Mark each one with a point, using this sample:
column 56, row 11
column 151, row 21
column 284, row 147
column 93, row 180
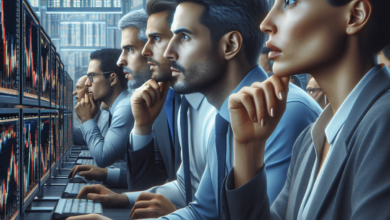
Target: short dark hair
column 108, row 59
column 386, row 51
column 379, row 25
column 244, row 16
column 157, row 6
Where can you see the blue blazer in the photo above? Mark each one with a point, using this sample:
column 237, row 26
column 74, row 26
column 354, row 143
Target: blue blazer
column 358, row 185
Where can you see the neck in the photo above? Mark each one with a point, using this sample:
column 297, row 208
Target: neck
column 221, row 89
column 110, row 99
column 340, row 78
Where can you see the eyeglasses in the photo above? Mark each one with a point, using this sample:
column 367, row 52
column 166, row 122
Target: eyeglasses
column 90, row 76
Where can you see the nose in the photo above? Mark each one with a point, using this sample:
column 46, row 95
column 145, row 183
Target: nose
column 268, row 26
column 121, row 61
column 88, row 83
column 74, row 92
column 147, row 52
column 171, row 53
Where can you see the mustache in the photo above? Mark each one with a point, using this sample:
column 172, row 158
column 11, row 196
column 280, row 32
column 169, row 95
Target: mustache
column 153, row 61
column 177, row 66
column 127, row 69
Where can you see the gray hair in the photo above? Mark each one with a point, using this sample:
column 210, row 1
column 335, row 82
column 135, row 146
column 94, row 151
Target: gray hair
column 137, row 19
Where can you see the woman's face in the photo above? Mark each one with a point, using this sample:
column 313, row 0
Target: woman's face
column 305, row 35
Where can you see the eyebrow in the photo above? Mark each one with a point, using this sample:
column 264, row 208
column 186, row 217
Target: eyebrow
column 127, row 46
column 155, row 34
column 182, row 30
column 91, row 73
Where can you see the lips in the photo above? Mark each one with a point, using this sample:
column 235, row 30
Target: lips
column 151, row 64
column 175, row 70
column 275, row 51
column 126, row 72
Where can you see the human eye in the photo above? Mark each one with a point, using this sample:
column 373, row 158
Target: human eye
column 288, row 3
column 157, row 39
column 129, row 49
column 186, row 37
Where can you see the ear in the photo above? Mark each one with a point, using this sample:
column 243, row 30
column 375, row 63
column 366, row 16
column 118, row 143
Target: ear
column 113, row 79
column 231, row 44
column 361, row 11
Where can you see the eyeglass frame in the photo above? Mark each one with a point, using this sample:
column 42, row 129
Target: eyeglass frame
column 90, row 76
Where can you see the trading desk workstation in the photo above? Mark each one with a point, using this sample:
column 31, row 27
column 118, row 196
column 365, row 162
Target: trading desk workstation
column 36, row 125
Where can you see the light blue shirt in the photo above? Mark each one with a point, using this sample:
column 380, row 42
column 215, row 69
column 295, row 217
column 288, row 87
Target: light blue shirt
column 101, row 119
column 106, row 151
column 301, row 111
column 200, row 117
column 329, row 127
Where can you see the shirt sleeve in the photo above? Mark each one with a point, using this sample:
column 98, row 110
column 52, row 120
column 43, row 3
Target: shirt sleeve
column 139, row 141
column 113, row 175
column 78, row 136
column 108, row 150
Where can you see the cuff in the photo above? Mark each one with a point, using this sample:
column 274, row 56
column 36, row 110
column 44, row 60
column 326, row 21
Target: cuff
column 132, row 196
column 140, row 141
column 113, row 175
column 88, row 125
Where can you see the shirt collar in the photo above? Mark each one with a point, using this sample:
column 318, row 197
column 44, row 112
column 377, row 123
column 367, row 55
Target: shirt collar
column 257, row 74
column 118, row 99
column 194, row 99
column 337, row 122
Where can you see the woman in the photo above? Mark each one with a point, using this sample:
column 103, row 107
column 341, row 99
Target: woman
column 339, row 165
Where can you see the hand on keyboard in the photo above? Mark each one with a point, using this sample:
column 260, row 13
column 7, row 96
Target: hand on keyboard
column 151, row 205
column 89, row 217
column 104, row 195
column 89, row 172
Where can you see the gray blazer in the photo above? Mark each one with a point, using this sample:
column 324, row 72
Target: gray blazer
column 144, row 171
column 358, row 186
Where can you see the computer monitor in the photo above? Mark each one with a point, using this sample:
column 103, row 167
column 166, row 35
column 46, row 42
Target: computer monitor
column 58, row 73
column 57, row 125
column 30, row 71
column 45, row 145
column 54, row 78
column 53, row 134
column 62, row 79
column 9, row 55
column 9, row 164
column 45, row 63
column 30, row 154
column 66, row 79
column 61, row 127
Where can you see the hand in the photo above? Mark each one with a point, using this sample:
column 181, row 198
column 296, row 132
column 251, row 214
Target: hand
column 102, row 194
column 254, row 114
column 86, row 109
column 146, row 103
column 88, row 217
column 89, row 172
column 150, row 205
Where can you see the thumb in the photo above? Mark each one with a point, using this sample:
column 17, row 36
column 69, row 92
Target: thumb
column 92, row 100
column 285, row 81
column 95, row 197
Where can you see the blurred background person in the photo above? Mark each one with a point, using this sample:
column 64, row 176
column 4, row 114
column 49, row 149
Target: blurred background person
column 384, row 56
column 316, row 92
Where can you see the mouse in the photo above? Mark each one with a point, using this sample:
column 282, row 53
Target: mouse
column 78, row 179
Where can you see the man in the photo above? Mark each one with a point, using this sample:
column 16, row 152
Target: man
column 107, row 84
column 200, row 112
column 314, row 90
column 215, row 50
column 384, row 56
column 101, row 116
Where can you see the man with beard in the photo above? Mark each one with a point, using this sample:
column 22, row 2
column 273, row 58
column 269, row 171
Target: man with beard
column 101, row 116
column 137, row 72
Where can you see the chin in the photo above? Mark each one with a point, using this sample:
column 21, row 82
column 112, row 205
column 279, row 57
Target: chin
column 286, row 70
column 183, row 88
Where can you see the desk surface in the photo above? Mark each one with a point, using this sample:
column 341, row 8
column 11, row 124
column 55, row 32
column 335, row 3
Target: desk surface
column 56, row 191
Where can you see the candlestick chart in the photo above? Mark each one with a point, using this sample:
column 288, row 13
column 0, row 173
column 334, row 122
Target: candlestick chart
column 53, row 146
column 44, row 148
column 9, row 195
column 30, row 53
column 54, row 79
column 45, row 70
column 30, row 155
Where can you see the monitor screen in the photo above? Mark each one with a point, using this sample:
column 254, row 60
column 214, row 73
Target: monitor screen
column 44, row 148
column 9, row 58
column 53, row 130
column 61, row 152
column 30, row 56
column 66, row 90
column 45, row 68
column 9, row 182
column 58, row 135
column 54, row 72
column 57, row 67
column 62, row 76
column 30, row 154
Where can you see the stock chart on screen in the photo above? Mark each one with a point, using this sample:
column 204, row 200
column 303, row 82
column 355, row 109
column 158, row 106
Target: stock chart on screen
column 54, row 144
column 45, row 63
column 9, row 76
column 30, row 154
column 54, row 78
column 30, row 54
column 9, row 182
column 44, row 149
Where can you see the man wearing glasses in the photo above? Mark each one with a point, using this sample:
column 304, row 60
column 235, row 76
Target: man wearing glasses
column 106, row 83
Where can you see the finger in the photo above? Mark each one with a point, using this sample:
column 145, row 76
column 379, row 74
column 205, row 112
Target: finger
column 246, row 98
column 86, row 98
column 140, row 205
column 156, row 87
column 152, row 94
column 270, row 97
column 82, row 101
column 97, row 197
column 145, row 196
column 260, row 105
column 279, row 89
column 142, row 213
column 88, row 189
column 146, row 96
column 70, row 175
column 91, row 100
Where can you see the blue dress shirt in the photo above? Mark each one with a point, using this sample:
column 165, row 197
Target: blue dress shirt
column 101, row 119
column 107, row 150
column 301, row 111
column 329, row 127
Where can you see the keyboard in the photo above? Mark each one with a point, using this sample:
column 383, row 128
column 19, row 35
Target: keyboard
column 85, row 153
column 84, row 162
column 73, row 189
column 72, row 207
